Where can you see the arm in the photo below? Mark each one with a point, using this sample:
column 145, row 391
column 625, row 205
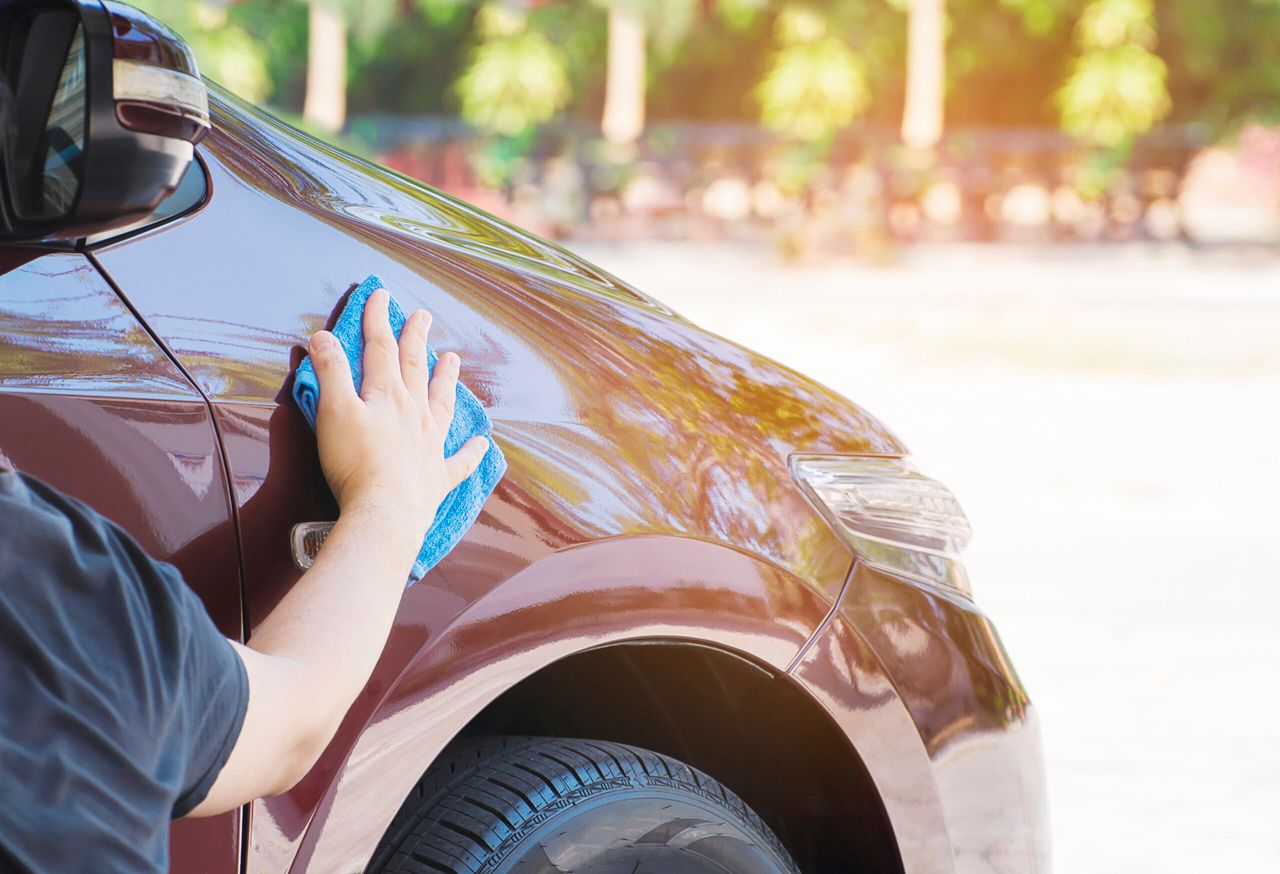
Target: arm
column 382, row 452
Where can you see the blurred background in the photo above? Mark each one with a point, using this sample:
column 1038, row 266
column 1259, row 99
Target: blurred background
column 1040, row 238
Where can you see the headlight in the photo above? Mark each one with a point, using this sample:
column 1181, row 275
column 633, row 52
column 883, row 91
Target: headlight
column 891, row 516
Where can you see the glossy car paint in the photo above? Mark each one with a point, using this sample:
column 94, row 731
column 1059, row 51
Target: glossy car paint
column 90, row 404
column 953, row 734
column 648, row 498
column 618, row 420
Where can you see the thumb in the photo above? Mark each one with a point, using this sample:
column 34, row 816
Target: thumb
column 333, row 372
column 464, row 462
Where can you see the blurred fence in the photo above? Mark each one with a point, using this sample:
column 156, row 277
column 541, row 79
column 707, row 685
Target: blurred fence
column 860, row 196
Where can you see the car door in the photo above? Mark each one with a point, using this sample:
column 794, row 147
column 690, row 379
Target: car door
column 90, row 404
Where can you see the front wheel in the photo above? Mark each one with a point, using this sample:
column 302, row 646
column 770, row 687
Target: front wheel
column 528, row 805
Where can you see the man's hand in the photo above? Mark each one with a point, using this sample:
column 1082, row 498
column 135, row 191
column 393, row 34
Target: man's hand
column 382, row 450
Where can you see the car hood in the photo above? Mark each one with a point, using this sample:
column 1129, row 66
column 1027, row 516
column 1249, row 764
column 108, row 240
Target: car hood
column 617, row 415
column 548, row 296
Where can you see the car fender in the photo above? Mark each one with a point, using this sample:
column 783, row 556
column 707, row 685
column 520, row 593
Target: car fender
column 842, row 673
column 608, row 591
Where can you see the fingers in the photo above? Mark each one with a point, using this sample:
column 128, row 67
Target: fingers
column 333, row 372
column 464, row 462
column 444, row 389
column 413, row 354
column 381, row 359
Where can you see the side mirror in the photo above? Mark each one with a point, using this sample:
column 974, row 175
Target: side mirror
column 100, row 107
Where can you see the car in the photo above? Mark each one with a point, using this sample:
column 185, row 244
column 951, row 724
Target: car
column 712, row 619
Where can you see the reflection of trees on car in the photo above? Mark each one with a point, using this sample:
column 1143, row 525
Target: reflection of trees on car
column 689, row 421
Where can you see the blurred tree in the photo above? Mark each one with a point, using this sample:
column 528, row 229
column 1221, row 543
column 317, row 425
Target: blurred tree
column 1116, row 88
column 926, row 73
column 515, row 78
column 626, row 79
column 408, row 68
column 1105, row 70
column 279, row 28
column 225, row 52
column 1014, row 85
column 1222, row 61
column 623, row 118
column 740, row 14
column 712, row 76
column 580, row 29
column 325, row 105
column 816, row 83
column 1039, row 17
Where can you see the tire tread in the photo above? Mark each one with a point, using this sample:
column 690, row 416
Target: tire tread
column 482, row 791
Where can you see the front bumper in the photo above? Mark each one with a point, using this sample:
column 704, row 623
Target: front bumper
column 974, row 719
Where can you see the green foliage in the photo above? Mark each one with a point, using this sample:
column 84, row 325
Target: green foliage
column 516, row 77
column 1096, row 172
column 369, row 20
column 1114, row 94
column 740, row 14
column 1116, row 88
column 226, row 52
column 1109, row 24
column 816, row 84
column 280, row 29
column 666, row 22
column 496, row 159
column 366, row 19
column 408, row 68
column 400, row 55
column 1039, row 17
column 795, row 167
column 1014, row 83
column 713, row 74
column 578, row 28
column 443, row 13
column 1106, row 70
column 1222, row 61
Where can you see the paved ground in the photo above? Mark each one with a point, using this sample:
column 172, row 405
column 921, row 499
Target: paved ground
column 1110, row 418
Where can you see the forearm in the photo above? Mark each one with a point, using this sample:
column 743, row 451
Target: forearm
column 333, row 624
column 383, row 454
column 313, row 654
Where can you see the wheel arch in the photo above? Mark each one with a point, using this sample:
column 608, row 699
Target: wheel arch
column 746, row 725
column 655, row 596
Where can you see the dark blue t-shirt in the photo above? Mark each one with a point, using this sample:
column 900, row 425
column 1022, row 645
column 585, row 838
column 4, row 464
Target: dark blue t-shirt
column 119, row 699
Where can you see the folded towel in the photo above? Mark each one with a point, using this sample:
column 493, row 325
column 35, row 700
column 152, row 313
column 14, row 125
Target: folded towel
column 461, row 506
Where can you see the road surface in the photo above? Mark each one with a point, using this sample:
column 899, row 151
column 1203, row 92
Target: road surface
column 1110, row 419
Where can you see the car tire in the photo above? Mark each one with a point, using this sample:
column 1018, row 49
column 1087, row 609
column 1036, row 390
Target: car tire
column 530, row 805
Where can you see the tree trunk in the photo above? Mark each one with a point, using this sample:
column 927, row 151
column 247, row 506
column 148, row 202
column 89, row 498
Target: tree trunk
column 326, row 101
column 926, row 68
column 624, row 85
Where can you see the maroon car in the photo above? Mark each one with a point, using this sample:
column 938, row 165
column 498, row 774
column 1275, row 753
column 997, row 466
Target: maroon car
column 711, row 620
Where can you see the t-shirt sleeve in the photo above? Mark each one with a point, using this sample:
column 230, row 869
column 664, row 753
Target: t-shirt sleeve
column 120, row 701
column 212, row 700
column 158, row 638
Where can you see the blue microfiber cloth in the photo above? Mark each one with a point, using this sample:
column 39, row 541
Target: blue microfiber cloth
column 461, row 506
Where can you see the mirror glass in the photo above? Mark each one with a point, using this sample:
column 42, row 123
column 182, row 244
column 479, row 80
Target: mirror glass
column 64, row 134
column 44, row 135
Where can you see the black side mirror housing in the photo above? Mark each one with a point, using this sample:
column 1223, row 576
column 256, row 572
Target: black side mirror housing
column 100, row 110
